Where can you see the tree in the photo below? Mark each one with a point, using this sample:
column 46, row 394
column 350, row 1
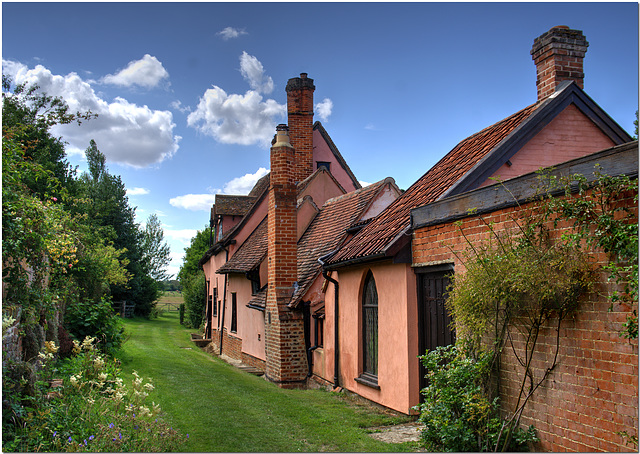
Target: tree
column 193, row 254
column 155, row 252
column 191, row 277
column 36, row 113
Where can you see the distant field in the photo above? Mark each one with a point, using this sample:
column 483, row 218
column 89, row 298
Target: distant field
column 170, row 301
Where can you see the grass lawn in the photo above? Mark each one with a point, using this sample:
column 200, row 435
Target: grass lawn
column 225, row 409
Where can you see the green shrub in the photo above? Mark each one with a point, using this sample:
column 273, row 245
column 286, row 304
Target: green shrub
column 95, row 319
column 92, row 411
column 193, row 293
column 457, row 413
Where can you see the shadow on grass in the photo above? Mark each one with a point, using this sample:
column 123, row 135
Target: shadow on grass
column 225, row 409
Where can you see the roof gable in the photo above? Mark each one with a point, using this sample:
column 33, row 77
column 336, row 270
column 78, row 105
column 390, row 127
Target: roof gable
column 466, row 166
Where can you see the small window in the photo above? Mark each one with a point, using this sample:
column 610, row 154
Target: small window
column 215, row 302
column 234, row 313
column 326, row 165
column 320, row 332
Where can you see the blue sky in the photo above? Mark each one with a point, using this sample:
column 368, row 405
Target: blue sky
column 189, row 94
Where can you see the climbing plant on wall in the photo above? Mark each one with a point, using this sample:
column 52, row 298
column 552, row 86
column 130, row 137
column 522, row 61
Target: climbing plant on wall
column 528, row 279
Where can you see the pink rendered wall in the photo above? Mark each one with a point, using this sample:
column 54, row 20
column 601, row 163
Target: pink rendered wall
column 322, row 152
column 216, row 281
column 250, row 321
column 321, row 189
column 570, row 135
column 397, row 334
column 258, row 215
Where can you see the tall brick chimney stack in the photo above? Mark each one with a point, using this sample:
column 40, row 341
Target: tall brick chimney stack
column 558, row 56
column 300, row 117
column 284, row 328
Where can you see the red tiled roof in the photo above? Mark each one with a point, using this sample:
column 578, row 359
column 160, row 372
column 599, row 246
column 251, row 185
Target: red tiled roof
column 328, row 230
column 233, row 205
column 375, row 237
column 250, row 254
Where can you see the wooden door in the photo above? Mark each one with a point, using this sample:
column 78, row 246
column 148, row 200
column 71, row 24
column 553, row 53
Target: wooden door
column 434, row 321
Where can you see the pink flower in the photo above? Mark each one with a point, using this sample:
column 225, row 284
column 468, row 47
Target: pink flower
column 55, row 199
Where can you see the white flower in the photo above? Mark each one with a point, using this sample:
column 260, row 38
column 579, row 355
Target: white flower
column 102, row 377
column 149, row 387
column 51, row 347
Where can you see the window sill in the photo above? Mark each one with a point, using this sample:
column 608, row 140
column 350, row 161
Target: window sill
column 368, row 380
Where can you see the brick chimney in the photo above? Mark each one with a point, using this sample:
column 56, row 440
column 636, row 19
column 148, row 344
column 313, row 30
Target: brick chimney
column 300, row 117
column 284, row 328
column 558, row 56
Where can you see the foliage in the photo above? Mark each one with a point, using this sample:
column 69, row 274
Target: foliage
column 91, row 410
column 155, row 252
column 519, row 279
column 97, row 320
column 196, row 250
column 457, row 413
column 194, row 295
column 600, row 220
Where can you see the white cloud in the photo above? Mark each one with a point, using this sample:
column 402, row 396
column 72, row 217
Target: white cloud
column 137, row 191
column 193, row 202
column 324, row 108
column 125, row 132
column 253, row 72
column 236, row 119
column 230, row 32
column 240, row 119
column 147, row 72
column 177, row 105
column 181, row 235
column 203, row 202
column 243, row 185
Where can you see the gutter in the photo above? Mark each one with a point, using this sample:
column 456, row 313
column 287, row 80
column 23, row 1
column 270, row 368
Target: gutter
column 336, row 286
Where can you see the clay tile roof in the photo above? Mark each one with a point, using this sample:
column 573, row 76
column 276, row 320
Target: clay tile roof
column 261, row 185
column 259, row 300
column 250, row 254
column 233, row 205
column 377, row 236
column 328, row 230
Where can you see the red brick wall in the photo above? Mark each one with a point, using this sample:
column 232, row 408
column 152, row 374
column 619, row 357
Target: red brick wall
column 593, row 392
column 284, row 333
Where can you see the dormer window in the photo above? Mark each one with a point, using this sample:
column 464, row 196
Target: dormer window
column 325, row 164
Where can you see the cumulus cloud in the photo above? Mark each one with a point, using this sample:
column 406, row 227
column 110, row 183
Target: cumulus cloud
column 242, row 119
column 236, row 119
column 324, row 108
column 253, row 72
column 230, row 33
column 125, row 132
column 147, row 72
column 137, row 191
column 203, row 202
column 243, row 185
column 193, row 202
column 182, row 235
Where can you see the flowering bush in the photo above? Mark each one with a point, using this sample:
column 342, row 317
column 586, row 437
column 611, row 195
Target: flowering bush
column 90, row 409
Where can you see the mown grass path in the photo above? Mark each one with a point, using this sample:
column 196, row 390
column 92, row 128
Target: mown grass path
column 226, row 410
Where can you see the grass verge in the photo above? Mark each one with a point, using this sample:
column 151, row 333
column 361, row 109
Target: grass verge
column 226, row 410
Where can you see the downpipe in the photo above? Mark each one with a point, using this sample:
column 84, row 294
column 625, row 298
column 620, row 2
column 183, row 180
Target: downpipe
column 336, row 307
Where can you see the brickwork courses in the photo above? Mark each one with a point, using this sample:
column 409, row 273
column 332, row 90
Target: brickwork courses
column 592, row 394
column 284, row 328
